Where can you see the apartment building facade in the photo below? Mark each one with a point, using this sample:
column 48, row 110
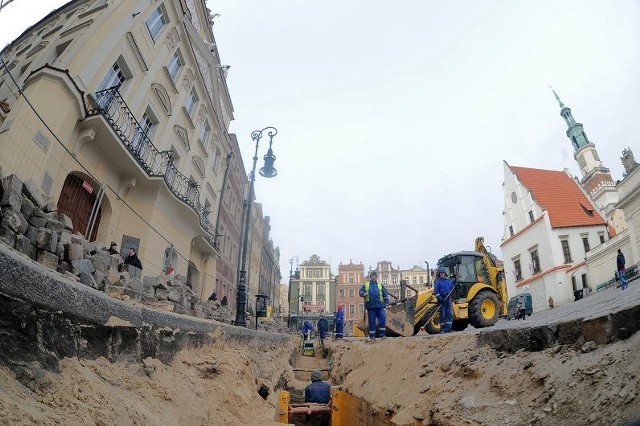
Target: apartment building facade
column 129, row 132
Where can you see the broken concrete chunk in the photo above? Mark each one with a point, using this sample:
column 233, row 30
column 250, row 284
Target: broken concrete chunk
column 27, row 207
column 83, row 265
column 24, row 246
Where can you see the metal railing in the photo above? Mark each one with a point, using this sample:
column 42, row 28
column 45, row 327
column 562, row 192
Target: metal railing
column 631, row 273
column 111, row 105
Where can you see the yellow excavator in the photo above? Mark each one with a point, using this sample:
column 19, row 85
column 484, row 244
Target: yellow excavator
column 479, row 297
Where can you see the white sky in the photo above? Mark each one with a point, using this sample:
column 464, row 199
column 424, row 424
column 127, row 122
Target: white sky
column 394, row 117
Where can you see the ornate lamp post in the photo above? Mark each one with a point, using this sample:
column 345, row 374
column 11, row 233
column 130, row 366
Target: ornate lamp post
column 267, row 171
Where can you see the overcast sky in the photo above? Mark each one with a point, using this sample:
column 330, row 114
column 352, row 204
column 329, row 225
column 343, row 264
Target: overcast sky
column 394, row 118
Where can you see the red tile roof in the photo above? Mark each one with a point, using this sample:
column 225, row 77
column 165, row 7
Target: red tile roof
column 560, row 196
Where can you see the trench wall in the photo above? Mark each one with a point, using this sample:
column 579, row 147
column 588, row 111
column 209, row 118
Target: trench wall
column 45, row 317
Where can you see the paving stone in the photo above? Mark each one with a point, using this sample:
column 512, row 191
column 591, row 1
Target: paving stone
column 64, row 267
column 60, row 250
column 101, row 261
column 31, row 190
column 88, row 280
column 162, row 294
column 135, row 284
column 101, row 279
column 82, row 265
column 23, row 245
column 11, row 220
column 36, row 220
column 116, row 260
column 27, row 207
column 66, row 221
column 7, row 236
column 11, row 192
column 174, row 296
column 77, row 239
column 53, row 222
column 133, row 271
column 31, row 234
column 65, row 237
column 46, row 239
column 48, row 259
column 75, row 252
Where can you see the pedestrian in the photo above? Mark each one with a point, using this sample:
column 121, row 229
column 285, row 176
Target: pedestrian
column 550, row 302
column 113, row 248
column 376, row 298
column 318, row 391
column 520, row 307
column 621, row 276
column 339, row 322
column 132, row 259
column 443, row 288
column 224, row 301
column 307, row 328
column 213, row 297
column 323, row 327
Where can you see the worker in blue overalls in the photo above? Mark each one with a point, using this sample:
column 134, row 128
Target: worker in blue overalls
column 376, row 299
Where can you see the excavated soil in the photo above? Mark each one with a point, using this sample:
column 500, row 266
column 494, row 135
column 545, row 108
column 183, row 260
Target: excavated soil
column 445, row 380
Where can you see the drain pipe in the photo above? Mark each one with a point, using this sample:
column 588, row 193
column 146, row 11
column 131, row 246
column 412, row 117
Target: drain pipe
column 224, row 185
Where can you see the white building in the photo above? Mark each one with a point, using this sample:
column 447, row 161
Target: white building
column 550, row 225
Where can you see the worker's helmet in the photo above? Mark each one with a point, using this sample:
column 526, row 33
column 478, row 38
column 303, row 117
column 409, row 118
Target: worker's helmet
column 373, row 274
column 442, row 270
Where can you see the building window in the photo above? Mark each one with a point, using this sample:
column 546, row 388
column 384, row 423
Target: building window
column 573, row 283
column 216, row 160
column 414, row 281
column 351, row 293
column 396, row 293
column 511, row 230
column 361, row 308
column 394, row 280
column 531, row 216
column 535, row 261
column 352, row 309
column 175, row 64
column 585, row 283
column 141, row 132
column 565, row 251
column 421, row 280
column 156, row 22
column 518, row 269
column 351, row 279
column 342, row 292
column 385, row 281
column 601, row 235
column 206, row 132
column 320, row 290
column 192, row 101
column 585, row 243
column 114, row 78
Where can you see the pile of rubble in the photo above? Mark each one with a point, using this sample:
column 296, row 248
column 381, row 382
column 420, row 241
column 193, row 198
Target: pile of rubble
column 31, row 224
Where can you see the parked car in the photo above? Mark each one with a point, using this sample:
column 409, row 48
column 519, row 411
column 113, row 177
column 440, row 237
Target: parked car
column 513, row 302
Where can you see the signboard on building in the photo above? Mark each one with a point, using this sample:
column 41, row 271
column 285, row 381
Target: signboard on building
column 314, row 308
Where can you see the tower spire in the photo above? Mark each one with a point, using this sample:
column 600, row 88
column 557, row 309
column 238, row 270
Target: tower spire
column 557, row 97
column 575, row 132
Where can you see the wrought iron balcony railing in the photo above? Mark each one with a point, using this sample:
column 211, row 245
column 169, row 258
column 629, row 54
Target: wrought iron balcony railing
column 155, row 163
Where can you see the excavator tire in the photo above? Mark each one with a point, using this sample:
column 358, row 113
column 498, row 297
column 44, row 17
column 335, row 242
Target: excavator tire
column 432, row 326
column 484, row 309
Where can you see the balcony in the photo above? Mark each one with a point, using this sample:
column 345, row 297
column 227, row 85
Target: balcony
column 155, row 163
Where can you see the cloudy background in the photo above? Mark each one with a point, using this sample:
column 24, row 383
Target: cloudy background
column 395, row 118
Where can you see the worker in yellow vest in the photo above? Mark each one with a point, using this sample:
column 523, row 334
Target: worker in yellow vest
column 376, row 298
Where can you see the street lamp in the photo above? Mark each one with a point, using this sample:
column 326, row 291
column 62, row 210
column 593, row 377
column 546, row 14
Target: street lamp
column 267, row 171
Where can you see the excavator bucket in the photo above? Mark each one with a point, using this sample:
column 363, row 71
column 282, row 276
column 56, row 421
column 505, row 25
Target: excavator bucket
column 401, row 317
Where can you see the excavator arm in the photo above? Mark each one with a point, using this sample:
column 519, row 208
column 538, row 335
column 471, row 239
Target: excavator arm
column 496, row 274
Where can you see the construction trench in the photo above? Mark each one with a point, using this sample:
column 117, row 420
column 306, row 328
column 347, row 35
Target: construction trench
column 72, row 355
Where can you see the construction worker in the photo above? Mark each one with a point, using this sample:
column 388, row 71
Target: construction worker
column 323, row 327
column 307, row 328
column 376, row 298
column 339, row 322
column 442, row 289
column 318, row 391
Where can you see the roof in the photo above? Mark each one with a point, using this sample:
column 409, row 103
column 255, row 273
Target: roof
column 560, row 196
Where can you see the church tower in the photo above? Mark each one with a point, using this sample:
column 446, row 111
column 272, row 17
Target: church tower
column 596, row 179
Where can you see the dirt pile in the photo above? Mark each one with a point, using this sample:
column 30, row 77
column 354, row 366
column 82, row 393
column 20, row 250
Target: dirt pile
column 214, row 385
column 447, row 380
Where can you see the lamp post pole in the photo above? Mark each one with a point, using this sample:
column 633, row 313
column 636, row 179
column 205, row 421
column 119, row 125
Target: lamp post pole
column 267, row 171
